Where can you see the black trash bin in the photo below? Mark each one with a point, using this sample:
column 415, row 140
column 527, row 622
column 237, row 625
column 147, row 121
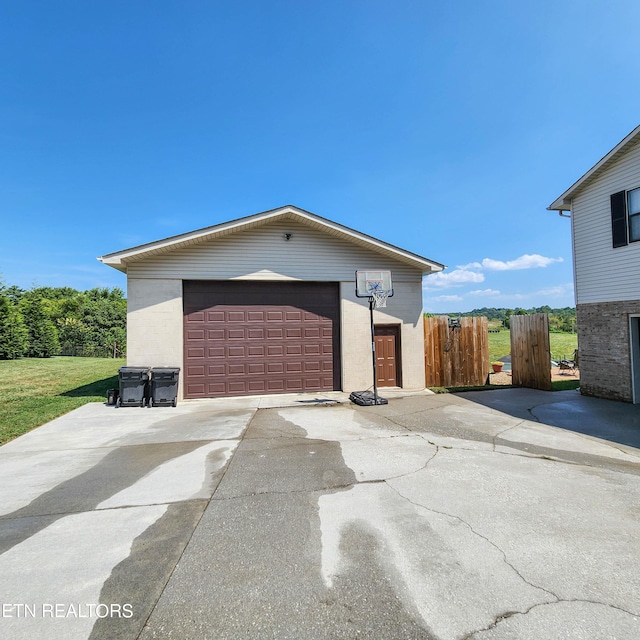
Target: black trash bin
column 164, row 387
column 133, row 386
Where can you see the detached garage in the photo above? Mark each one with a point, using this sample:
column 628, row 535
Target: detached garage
column 266, row 304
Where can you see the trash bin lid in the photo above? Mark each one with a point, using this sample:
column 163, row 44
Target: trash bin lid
column 133, row 369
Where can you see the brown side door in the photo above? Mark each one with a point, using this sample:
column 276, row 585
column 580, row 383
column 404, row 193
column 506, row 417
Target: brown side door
column 387, row 341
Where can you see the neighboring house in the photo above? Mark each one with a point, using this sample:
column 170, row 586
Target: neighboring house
column 605, row 224
column 267, row 304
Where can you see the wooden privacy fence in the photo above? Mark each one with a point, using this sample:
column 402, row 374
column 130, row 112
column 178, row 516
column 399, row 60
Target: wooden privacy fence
column 456, row 356
column 530, row 351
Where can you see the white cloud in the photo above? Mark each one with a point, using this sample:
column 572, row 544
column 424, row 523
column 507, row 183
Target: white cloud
column 526, row 261
column 471, row 265
column 446, row 299
column 484, row 292
column 559, row 290
column 452, row 279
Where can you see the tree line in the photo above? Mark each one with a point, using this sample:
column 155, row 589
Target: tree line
column 560, row 320
column 49, row 321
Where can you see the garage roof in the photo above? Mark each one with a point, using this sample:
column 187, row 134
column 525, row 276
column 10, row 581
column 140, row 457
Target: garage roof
column 120, row 259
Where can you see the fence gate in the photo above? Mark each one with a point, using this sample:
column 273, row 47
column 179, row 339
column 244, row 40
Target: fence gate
column 456, row 356
column 530, row 351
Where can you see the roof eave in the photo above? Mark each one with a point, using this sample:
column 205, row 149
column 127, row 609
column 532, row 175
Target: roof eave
column 119, row 259
column 563, row 203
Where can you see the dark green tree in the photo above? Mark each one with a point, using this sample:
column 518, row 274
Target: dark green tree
column 13, row 333
column 43, row 336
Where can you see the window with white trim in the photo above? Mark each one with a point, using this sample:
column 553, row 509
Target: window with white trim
column 633, row 208
column 625, row 217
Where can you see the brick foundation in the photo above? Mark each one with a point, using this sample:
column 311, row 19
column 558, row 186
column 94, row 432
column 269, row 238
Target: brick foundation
column 604, row 349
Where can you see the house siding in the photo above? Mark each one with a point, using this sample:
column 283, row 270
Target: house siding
column 604, row 349
column 602, row 273
column 263, row 254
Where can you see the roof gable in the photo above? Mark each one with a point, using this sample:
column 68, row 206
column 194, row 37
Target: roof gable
column 563, row 202
column 120, row 259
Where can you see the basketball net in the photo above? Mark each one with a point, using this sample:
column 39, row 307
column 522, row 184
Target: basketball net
column 379, row 298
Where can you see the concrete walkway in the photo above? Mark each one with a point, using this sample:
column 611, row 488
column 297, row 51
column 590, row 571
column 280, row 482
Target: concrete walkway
column 435, row 516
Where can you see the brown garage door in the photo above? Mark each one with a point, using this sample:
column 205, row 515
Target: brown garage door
column 250, row 338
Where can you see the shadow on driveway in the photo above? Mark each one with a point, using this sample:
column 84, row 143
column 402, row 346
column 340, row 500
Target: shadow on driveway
column 607, row 419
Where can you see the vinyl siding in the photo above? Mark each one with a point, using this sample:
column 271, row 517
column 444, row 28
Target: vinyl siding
column 263, row 254
column 602, row 273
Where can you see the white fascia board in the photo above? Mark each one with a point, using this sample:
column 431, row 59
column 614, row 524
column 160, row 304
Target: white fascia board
column 118, row 259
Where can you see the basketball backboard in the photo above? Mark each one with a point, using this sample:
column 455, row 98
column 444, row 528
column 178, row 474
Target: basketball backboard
column 370, row 282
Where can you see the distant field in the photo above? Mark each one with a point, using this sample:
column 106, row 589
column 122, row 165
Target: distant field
column 562, row 345
column 34, row 391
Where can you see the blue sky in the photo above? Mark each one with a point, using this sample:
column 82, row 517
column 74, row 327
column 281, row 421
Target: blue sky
column 445, row 128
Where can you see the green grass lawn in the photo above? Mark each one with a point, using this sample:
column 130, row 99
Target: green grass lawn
column 562, row 345
column 34, row 391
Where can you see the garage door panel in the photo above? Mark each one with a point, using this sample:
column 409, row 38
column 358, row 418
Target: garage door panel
column 213, row 389
column 196, row 390
column 237, row 387
column 259, row 338
column 275, row 350
column 239, row 369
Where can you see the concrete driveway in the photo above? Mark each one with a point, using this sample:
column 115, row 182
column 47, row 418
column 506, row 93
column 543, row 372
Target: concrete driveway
column 440, row 517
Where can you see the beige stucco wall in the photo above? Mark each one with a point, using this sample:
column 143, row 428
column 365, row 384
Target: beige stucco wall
column 405, row 309
column 154, row 323
column 155, row 319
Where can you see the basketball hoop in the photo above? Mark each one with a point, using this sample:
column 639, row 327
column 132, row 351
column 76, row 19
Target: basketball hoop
column 379, row 298
column 377, row 287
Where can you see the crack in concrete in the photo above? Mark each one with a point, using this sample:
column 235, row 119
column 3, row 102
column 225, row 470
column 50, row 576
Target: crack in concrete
column 504, row 431
column 509, row 614
column 410, row 473
column 348, row 485
column 478, row 534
